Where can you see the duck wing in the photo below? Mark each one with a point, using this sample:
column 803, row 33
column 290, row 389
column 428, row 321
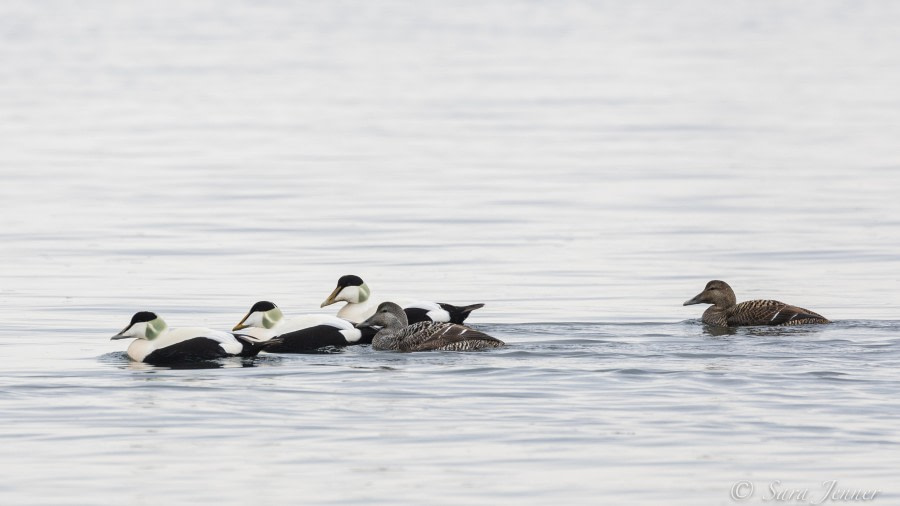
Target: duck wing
column 771, row 312
column 425, row 336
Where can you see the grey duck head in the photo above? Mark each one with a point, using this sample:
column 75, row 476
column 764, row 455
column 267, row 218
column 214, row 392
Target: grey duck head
column 388, row 315
column 717, row 293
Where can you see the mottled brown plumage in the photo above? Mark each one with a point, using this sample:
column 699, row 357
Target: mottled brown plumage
column 442, row 336
column 726, row 312
column 397, row 335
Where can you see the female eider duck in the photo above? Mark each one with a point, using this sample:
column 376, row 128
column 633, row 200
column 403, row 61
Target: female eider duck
column 305, row 333
column 726, row 312
column 361, row 304
column 155, row 343
column 396, row 334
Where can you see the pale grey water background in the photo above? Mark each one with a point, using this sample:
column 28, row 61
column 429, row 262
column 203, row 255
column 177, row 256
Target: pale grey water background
column 582, row 168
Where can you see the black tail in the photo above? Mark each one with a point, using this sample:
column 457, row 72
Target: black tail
column 253, row 347
column 458, row 314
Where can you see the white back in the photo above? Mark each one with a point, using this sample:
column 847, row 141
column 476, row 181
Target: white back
column 140, row 348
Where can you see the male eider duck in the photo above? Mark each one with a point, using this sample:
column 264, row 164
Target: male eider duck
column 155, row 343
column 301, row 334
column 396, row 334
column 726, row 312
column 361, row 304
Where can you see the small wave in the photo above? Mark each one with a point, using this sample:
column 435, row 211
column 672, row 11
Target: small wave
column 642, row 372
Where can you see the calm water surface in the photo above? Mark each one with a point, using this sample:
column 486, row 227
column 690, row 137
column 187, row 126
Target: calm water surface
column 580, row 167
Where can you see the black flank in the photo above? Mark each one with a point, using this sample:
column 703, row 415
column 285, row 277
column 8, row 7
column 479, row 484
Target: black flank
column 308, row 340
column 367, row 334
column 196, row 349
column 416, row 315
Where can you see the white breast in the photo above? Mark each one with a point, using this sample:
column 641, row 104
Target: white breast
column 139, row 349
column 359, row 311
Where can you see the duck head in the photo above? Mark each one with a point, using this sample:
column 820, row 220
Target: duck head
column 388, row 315
column 350, row 289
column 717, row 293
column 263, row 314
column 143, row 325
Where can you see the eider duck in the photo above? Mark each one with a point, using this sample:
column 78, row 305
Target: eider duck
column 396, row 334
column 361, row 304
column 265, row 321
column 155, row 343
column 726, row 312
column 302, row 334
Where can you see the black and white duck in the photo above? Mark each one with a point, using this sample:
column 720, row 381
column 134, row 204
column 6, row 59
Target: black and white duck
column 156, row 343
column 361, row 303
column 300, row 334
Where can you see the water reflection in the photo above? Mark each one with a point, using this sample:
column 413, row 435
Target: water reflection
column 223, row 363
column 200, row 364
column 715, row 331
column 763, row 331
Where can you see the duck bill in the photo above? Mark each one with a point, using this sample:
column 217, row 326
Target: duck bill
column 696, row 300
column 367, row 323
column 330, row 300
column 240, row 324
column 119, row 335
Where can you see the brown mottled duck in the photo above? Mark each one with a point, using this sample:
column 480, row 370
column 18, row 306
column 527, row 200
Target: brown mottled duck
column 396, row 334
column 726, row 312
